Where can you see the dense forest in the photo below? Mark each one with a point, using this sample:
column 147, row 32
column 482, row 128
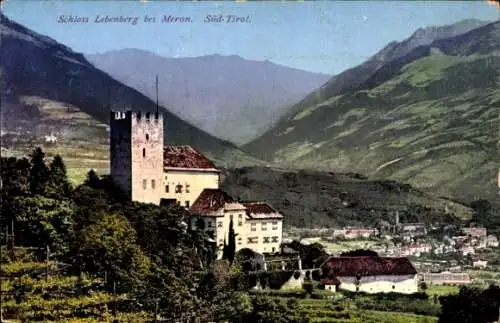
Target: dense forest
column 145, row 253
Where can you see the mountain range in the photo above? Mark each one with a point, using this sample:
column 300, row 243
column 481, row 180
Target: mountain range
column 230, row 97
column 39, row 75
column 422, row 111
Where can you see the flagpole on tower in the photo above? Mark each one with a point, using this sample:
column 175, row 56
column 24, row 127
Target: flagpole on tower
column 156, row 93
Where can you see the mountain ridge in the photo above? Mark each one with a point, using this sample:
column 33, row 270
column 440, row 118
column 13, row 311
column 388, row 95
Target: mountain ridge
column 37, row 66
column 354, row 76
column 409, row 115
column 229, row 96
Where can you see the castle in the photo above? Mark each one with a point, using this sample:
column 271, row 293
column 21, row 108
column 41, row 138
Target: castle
column 150, row 172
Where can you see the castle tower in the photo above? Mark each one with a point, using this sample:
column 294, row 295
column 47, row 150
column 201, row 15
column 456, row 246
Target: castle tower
column 136, row 153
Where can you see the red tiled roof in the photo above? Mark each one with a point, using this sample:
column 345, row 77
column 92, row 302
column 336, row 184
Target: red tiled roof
column 254, row 208
column 185, row 157
column 366, row 266
column 210, row 200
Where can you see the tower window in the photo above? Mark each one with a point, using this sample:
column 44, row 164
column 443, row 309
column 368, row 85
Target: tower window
column 153, row 184
column 144, row 184
column 167, row 188
column 143, row 152
column 147, row 136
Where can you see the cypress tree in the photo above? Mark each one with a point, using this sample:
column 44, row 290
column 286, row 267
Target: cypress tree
column 231, row 246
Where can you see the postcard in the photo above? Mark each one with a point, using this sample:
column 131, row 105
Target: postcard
column 250, row 161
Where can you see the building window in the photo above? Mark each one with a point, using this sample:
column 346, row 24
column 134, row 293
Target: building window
column 240, row 223
column 266, row 239
column 252, row 227
column 167, row 189
column 263, row 226
column 240, row 216
column 144, row 184
column 178, row 188
column 219, row 224
column 275, row 239
column 209, row 224
column 253, row 240
column 187, row 203
column 275, row 223
column 147, row 137
column 144, row 152
column 153, row 184
column 187, row 188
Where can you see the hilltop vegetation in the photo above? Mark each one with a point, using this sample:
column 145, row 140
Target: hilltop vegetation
column 428, row 118
column 323, row 199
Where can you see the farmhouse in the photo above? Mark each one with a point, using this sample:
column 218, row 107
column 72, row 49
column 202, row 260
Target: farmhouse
column 150, row 172
column 370, row 275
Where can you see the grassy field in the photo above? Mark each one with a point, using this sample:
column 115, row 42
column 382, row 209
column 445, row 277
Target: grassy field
column 79, row 158
column 336, row 308
column 341, row 246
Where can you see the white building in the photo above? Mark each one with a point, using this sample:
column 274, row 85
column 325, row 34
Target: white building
column 370, row 275
column 257, row 225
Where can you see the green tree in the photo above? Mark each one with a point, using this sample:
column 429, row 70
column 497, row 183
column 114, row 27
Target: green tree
column 42, row 221
column 15, row 176
column 92, row 180
column 109, row 246
column 486, row 214
column 58, row 184
column 471, row 305
column 39, row 172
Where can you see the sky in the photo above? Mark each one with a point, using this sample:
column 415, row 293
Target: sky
column 319, row 36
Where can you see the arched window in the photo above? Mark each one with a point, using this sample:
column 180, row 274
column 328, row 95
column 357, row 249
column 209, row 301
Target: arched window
column 147, row 136
column 144, row 152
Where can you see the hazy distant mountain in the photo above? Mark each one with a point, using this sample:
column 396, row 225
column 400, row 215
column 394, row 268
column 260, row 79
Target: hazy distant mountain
column 38, row 72
column 423, row 111
column 228, row 96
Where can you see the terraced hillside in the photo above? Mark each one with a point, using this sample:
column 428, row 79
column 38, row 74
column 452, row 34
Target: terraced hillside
column 429, row 118
column 35, row 292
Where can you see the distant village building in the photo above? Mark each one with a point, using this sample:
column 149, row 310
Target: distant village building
column 492, row 241
column 412, row 229
column 370, row 275
column 50, row 139
column 479, row 264
column 150, row 172
column 477, row 232
column 354, row 233
column 446, row 278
